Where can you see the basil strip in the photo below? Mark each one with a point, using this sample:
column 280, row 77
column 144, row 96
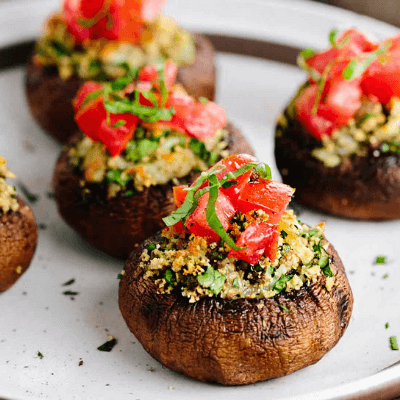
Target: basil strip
column 91, row 96
column 212, row 217
column 263, row 170
column 332, row 37
column 184, row 210
column 149, row 114
column 357, row 67
column 238, row 172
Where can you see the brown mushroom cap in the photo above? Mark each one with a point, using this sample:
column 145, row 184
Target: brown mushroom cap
column 122, row 221
column 50, row 97
column 361, row 187
column 236, row 342
column 18, row 239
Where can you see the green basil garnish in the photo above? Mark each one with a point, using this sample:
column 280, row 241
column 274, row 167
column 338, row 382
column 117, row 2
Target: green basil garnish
column 212, row 217
column 212, row 280
column 358, row 66
column 280, row 284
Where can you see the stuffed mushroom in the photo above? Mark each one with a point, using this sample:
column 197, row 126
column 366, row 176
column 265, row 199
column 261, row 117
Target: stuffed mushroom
column 18, row 232
column 236, row 289
column 104, row 40
column 338, row 141
column 113, row 182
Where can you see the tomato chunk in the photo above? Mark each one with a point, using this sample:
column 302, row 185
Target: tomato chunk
column 382, row 78
column 315, row 124
column 150, row 74
column 204, row 120
column 179, row 194
column 86, row 89
column 116, row 138
column 267, row 195
column 258, row 238
column 197, row 223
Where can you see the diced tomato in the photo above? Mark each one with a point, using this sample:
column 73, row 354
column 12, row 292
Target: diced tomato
column 205, row 120
column 150, row 74
column 259, row 238
column 112, row 20
column 232, row 163
column 86, row 89
column 197, row 223
column 341, row 101
column 179, row 194
column 183, row 105
column 271, row 248
column 315, row 124
column 356, row 43
column 267, row 195
column 90, row 117
column 178, row 228
column 382, row 79
column 116, row 138
column 125, row 21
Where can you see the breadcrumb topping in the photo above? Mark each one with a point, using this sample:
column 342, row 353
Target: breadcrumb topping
column 8, row 201
column 188, row 265
column 161, row 39
column 153, row 157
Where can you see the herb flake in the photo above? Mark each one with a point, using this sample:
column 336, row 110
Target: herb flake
column 109, row 345
column 393, row 343
column 212, row 279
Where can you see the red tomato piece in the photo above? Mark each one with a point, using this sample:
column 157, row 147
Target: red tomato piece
column 197, row 223
column 74, row 11
column 150, row 74
column 271, row 248
column 116, row 139
column 183, row 105
column 124, row 21
column 382, row 79
column 357, row 43
column 232, row 163
column 85, row 90
column 205, row 120
column 258, row 238
column 90, row 118
column 341, row 101
column 268, row 195
column 179, row 194
column 178, row 228
column 315, row 124
column 112, row 20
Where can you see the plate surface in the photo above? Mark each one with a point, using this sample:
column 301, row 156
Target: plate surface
column 35, row 315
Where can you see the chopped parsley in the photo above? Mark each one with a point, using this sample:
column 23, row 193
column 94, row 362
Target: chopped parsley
column 70, row 282
column 235, row 283
column 117, row 176
column 32, row 198
column 380, row 260
column 70, row 293
column 40, row 355
column 212, row 280
column 280, row 284
column 151, row 246
column 284, row 308
column 109, row 345
column 393, row 343
column 387, row 325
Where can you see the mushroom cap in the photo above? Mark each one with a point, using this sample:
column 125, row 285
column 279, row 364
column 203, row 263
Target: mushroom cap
column 50, row 97
column 236, row 342
column 119, row 223
column 361, row 187
column 18, row 239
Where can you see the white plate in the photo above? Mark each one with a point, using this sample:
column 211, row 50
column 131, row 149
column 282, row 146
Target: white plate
column 35, row 315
